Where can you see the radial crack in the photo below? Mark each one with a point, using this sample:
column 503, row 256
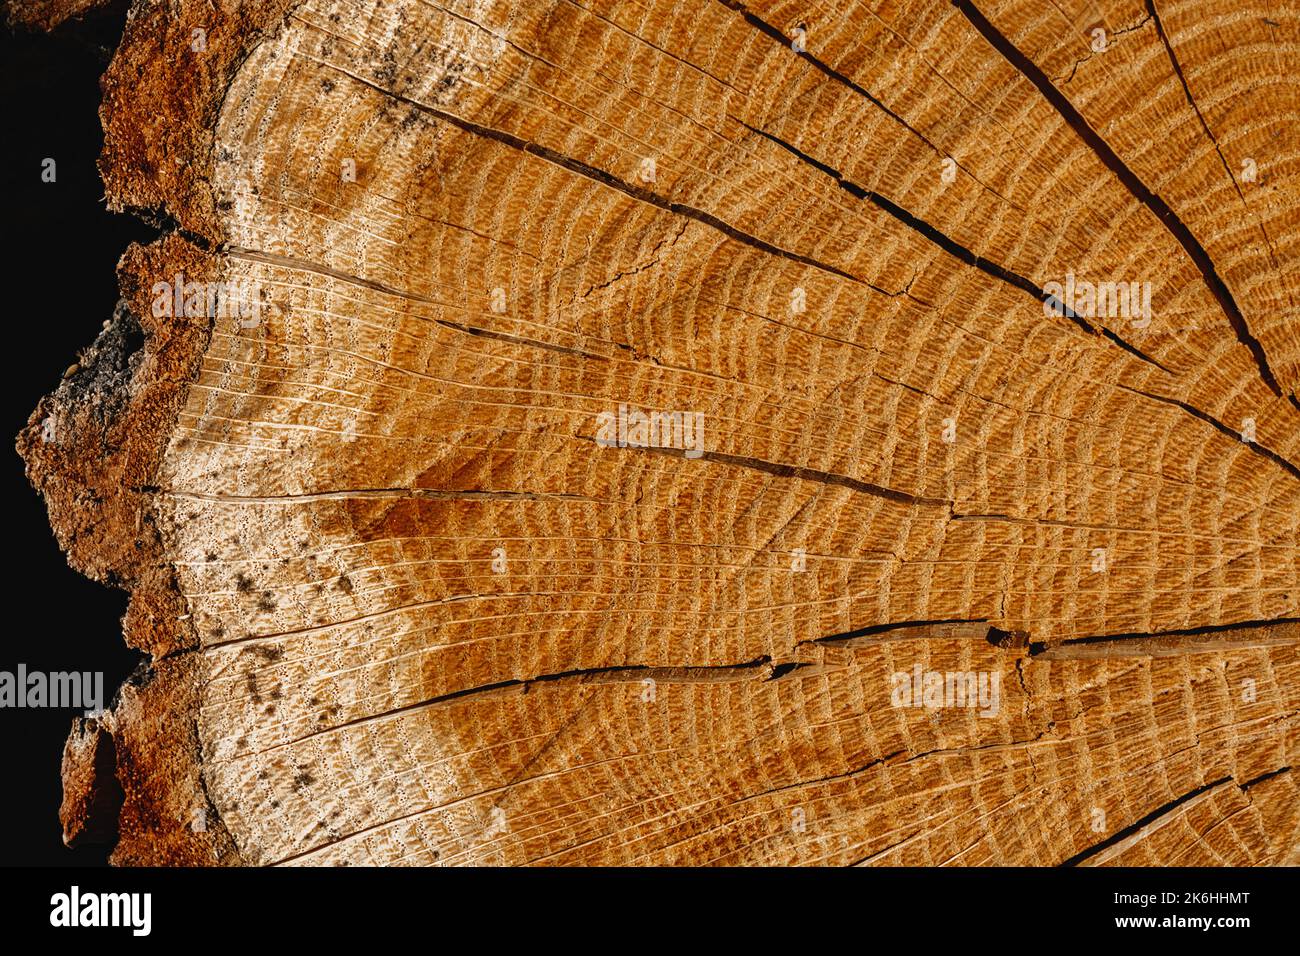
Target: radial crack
column 1135, row 186
column 955, row 248
column 605, row 178
column 1118, row 842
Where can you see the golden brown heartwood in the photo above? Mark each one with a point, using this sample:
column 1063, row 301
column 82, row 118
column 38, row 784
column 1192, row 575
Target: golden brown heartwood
column 696, row 432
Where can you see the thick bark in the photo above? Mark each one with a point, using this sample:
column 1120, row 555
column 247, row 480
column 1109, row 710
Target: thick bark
column 406, row 606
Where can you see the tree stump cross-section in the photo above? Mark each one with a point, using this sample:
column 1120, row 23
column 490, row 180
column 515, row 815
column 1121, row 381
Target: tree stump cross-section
column 695, row 432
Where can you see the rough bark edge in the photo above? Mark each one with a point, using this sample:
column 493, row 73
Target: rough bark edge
column 162, row 97
column 94, row 447
column 45, row 15
column 93, row 450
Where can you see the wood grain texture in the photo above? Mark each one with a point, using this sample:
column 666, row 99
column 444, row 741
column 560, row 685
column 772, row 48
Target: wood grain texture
column 407, row 607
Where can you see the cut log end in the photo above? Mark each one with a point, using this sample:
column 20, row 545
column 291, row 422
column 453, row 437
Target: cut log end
column 695, row 433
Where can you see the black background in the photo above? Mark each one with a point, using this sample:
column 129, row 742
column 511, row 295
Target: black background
column 61, row 251
column 860, row 912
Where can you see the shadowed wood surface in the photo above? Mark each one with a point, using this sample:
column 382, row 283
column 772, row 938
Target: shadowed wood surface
column 408, row 605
